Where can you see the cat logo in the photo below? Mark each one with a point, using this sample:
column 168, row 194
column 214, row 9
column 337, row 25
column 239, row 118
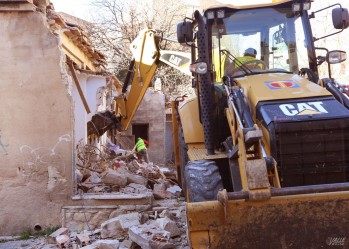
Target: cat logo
column 175, row 60
column 309, row 108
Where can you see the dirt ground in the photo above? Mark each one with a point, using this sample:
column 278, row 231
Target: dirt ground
column 37, row 243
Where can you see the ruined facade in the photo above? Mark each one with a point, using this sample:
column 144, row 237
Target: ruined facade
column 36, row 121
column 44, row 115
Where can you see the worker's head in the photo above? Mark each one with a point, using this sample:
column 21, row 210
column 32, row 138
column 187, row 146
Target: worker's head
column 138, row 138
column 250, row 52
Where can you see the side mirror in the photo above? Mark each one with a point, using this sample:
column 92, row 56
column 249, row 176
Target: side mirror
column 340, row 18
column 336, row 56
column 185, row 32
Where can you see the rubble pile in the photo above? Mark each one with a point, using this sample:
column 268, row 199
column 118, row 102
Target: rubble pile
column 111, row 169
column 161, row 227
column 115, row 170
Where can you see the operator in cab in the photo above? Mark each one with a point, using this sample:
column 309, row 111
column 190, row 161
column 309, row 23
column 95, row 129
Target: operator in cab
column 249, row 55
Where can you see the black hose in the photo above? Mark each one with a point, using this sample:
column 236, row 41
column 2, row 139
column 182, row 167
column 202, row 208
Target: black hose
column 337, row 93
column 243, row 109
column 128, row 76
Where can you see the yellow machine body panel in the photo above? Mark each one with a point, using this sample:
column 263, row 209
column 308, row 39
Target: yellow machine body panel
column 193, row 130
column 299, row 221
column 273, row 86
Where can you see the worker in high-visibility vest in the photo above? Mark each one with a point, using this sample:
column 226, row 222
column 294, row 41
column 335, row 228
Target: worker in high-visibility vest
column 141, row 150
column 249, row 55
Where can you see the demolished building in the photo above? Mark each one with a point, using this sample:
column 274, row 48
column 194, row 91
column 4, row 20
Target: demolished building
column 50, row 79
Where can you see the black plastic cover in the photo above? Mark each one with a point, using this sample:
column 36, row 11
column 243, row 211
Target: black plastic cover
column 309, row 139
column 300, row 110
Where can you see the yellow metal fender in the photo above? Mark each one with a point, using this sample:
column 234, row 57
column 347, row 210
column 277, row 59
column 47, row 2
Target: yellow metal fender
column 297, row 221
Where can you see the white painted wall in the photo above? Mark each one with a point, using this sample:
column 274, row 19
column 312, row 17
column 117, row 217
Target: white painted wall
column 89, row 85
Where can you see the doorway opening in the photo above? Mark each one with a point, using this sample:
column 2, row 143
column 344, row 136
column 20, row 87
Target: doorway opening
column 140, row 130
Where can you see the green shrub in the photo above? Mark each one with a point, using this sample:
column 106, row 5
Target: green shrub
column 24, row 235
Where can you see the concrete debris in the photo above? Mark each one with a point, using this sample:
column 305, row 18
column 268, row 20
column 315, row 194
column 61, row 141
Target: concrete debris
column 126, row 244
column 176, row 190
column 118, row 226
column 110, row 177
column 94, row 178
column 115, row 170
column 134, row 188
column 63, row 240
column 131, row 178
column 82, row 239
column 169, row 226
column 52, row 237
column 103, row 244
column 78, row 176
column 160, row 191
column 167, row 214
column 158, row 225
column 150, row 237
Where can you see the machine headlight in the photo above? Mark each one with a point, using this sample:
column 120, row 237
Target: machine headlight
column 199, row 68
column 296, row 7
column 220, row 14
column 306, row 6
column 210, row 14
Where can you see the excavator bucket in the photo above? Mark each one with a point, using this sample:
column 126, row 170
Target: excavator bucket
column 102, row 122
column 312, row 221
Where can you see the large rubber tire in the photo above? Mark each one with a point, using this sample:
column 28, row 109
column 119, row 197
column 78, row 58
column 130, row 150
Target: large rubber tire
column 203, row 180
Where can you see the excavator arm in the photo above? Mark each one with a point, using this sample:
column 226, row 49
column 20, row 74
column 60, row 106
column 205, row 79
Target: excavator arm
column 146, row 56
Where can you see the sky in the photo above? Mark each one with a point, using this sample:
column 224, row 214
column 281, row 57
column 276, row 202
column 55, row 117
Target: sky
column 78, row 8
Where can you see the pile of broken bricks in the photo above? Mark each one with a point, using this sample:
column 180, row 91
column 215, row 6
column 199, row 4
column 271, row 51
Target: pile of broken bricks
column 148, row 230
column 114, row 170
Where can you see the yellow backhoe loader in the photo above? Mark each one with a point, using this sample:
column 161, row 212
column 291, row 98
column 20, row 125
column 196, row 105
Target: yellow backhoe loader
column 262, row 150
column 264, row 147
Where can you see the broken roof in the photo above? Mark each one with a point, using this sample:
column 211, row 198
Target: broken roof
column 75, row 42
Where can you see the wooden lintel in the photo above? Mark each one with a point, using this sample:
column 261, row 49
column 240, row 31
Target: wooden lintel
column 76, row 80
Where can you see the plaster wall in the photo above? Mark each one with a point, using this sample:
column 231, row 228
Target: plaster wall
column 90, row 84
column 80, row 112
column 36, row 124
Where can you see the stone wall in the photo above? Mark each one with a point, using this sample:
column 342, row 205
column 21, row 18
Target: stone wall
column 79, row 218
column 35, row 124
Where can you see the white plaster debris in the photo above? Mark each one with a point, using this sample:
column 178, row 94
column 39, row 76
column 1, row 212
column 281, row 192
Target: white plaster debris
column 169, row 226
column 174, row 189
column 119, row 225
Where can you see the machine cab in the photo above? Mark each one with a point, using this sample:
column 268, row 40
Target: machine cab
column 279, row 34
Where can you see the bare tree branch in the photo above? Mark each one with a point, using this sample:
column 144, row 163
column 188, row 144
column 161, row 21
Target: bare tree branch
column 116, row 25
